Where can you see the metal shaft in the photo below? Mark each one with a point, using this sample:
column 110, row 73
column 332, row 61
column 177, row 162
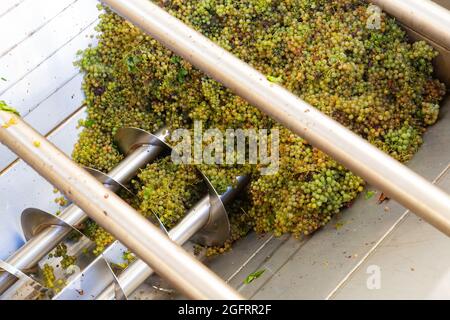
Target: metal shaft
column 169, row 260
column 26, row 257
column 396, row 180
column 138, row 271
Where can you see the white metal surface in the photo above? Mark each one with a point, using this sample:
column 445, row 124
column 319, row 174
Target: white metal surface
column 38, row 75
column 27, row 18
column 114, row 214
column 412, row 262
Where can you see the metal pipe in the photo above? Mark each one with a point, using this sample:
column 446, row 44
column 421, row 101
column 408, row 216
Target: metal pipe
column 27, row 256
column 137, row 159
column 396, row 180
column 196, row 218
column 424, row 16
column 169, row 260
column 136, row 273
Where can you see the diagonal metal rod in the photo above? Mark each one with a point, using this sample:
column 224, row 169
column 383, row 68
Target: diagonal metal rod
column 27, row 256
column 138, row 271
column 169, row 260
column 396, row 180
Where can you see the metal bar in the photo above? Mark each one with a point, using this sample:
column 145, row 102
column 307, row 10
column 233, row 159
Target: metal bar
column 196, row 218
column 27, row 256
column 365, row 160
column 136, row 273
column 424, row 16
column 169, row 260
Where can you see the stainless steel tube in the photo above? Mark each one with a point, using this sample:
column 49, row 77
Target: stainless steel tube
column 169, row 260
column 36, row 248
column 196, row 218
column 424, row 16
column 136, row 273
column 396, row 180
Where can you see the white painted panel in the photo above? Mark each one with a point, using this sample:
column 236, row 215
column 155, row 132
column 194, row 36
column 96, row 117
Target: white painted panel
column 44, row 80
column 27, row 55
column 50, row 113
column 26, row 19
column 8, row 5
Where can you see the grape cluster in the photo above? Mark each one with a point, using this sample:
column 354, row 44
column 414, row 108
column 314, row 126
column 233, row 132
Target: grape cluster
column 48, row 276
column 61, row 252
column 50, row 281
column 373, row 81
column 98, row 235
column 403, row 142
column 241, row 224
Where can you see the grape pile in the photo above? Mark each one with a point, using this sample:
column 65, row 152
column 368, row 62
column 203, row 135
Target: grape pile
column 373, row 81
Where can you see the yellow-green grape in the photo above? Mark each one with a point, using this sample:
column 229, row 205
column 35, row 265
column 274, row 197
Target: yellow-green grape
column 404, row 142
column 128, row 258
column 102, row 239
column 430, row 113
column 62, row 201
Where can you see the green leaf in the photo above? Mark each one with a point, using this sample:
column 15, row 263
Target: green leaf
column 369, row 194
column 275, row 79
column 132, row 62
column 182, row 75
column 3, row 79
column 5, row 107
column 148, row 192
column 175, row 59
column 253, row 276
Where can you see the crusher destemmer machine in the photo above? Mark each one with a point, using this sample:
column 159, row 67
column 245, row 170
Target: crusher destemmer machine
column 94, row 194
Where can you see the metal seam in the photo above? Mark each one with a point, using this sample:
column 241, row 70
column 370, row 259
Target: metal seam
column 374, row 248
